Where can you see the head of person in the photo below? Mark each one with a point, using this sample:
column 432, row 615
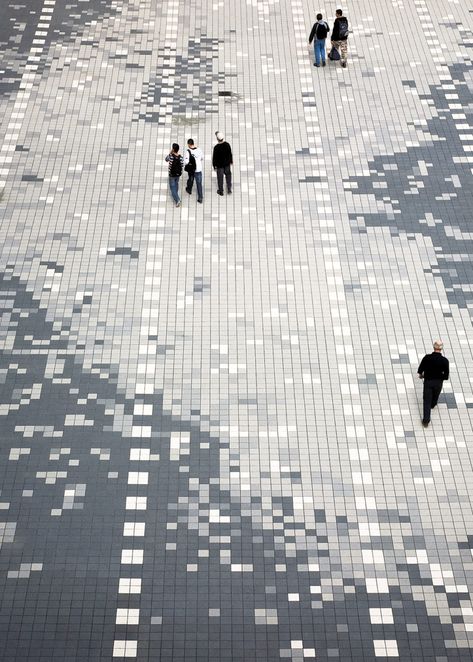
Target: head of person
column 339, row 13
column 319, row 17
column 190, row 143
column 438, row 346
column 175, row 148
column 219, row 136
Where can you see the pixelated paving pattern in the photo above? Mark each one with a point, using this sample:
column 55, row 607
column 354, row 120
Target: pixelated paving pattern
column 210, row 418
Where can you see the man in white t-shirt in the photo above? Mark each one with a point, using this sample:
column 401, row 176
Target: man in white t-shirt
column 193, row 158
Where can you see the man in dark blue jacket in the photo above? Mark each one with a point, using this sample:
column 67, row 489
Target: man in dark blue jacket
column 320, row 31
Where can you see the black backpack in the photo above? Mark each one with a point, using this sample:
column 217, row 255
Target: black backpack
column 192, row 165
column 321, row 30
column 343, row 28
column 176, row 166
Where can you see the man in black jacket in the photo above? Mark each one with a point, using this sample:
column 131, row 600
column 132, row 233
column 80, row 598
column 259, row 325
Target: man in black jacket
column 433, row 369
column 340, row 36
column 222, row 160
column 320, row 31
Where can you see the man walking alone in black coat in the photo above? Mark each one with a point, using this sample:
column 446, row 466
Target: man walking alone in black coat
column 222, row 160
column 433, row 369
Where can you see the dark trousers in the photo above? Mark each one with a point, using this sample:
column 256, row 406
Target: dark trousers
column 198, row 181
column 432, row 389
column 227, row 171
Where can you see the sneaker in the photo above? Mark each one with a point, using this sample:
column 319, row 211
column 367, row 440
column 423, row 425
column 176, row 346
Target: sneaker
column 220, row 192
column 178, row 204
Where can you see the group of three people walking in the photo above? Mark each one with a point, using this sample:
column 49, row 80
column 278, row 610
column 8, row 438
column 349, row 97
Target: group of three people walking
column 192, row 163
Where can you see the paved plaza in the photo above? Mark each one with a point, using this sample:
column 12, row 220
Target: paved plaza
column 211, row 445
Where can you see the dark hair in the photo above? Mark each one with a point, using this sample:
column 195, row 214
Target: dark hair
column 175, row 147
column 190, row 141
column 339, row 12
column 319, row 17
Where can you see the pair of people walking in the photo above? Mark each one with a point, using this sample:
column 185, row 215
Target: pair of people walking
column 339, row 39
column 192, row 163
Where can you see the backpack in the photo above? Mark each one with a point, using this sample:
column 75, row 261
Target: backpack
column 343, row 28
column 176, row 166
column 192, row 165
column 321, row 31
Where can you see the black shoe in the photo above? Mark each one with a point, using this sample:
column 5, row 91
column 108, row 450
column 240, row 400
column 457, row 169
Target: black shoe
column 316, row 65
column 323, row 64
column 229, row 192
column 344, row 65
column 199, row 200
column 220, row 192
column 187, row 191
column 425, row 424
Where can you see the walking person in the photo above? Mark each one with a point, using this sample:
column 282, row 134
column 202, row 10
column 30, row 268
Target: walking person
column 433, row 369
column 222, row 160
column 340, row 36
column 319, row 31
column 193, row 166
column 175, row 165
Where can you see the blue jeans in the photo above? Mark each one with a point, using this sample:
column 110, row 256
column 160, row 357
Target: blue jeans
column 174, row 186
column 198, row 182
column 319, row 50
